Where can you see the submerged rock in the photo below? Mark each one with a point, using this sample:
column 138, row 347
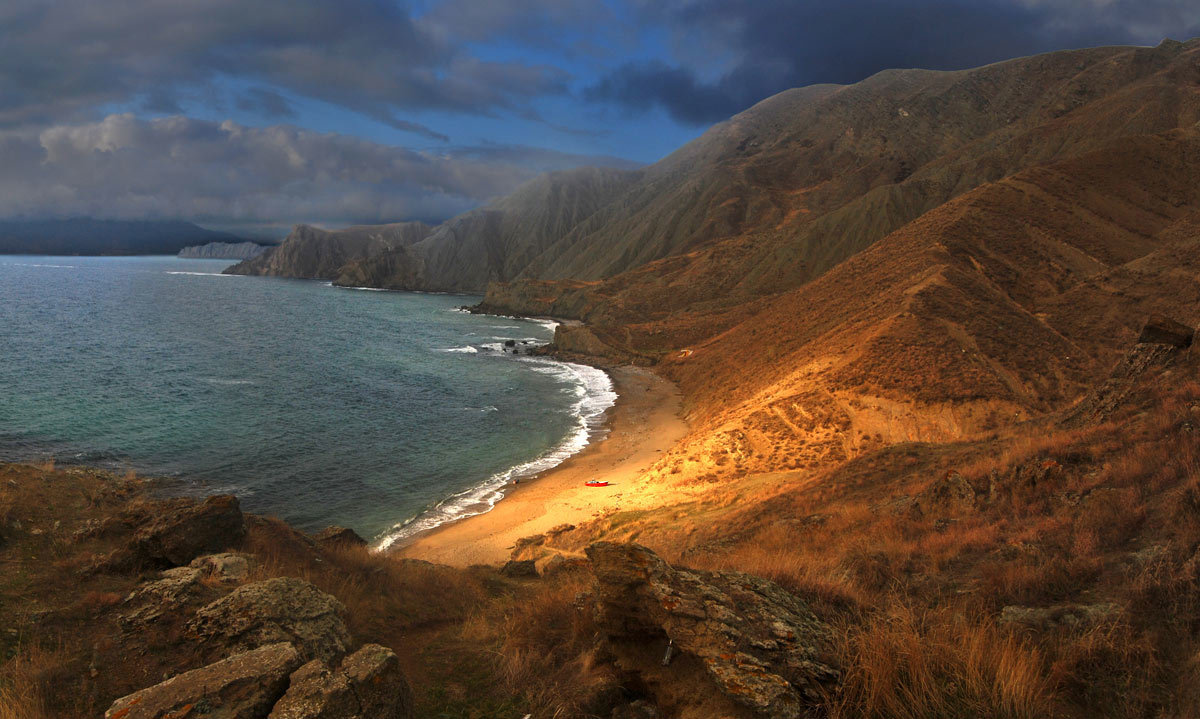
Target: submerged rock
column 759, row 646
column 284, row 609
column 242, row 686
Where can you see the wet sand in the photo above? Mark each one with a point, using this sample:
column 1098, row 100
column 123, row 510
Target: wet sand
column 643, row 424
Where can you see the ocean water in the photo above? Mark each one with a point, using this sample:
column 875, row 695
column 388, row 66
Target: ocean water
column 386, row 412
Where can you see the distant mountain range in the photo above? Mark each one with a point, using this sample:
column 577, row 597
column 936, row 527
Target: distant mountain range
column 82, row 236
column 223, row 251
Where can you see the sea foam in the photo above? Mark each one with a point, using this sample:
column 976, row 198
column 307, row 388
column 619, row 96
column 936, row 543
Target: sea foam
column 594, row 393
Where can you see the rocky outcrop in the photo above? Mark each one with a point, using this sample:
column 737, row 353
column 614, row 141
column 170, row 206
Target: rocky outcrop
column 339, row 537
column 186, row 529
column 368, row 685
column 1166, row 331
column 223, row 251
column 165, row 596
column 283, row 609
column 173, row 532
column 1159, row 344
column 224, row 568
column 243, row 686
column 750, row 644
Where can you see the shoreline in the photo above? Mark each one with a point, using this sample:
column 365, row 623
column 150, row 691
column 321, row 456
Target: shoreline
column 643, row 423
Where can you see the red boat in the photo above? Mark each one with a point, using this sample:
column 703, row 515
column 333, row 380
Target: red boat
column 595, row 483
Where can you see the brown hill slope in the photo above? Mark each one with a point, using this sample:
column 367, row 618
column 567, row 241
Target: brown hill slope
column 788, row 189
column 804, row 179
column 1002, row 304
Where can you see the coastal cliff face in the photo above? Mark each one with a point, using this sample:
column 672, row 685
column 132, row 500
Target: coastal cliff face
column 224, row 251
column 313, row 253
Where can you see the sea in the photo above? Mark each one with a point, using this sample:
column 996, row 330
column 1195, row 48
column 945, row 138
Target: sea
column 385, row 412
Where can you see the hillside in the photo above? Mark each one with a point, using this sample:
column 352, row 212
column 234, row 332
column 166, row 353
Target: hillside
column 81, row 236
column 786, row 190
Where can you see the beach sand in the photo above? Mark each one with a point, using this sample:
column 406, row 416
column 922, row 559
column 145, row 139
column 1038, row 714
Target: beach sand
column 643, row 424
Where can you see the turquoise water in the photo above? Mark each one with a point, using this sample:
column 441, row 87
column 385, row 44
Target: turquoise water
column 386, row 412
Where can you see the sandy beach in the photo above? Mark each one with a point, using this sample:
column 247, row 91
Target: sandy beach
column 644, row 423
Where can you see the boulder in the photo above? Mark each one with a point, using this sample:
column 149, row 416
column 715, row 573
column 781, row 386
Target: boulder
column 226, row 568
column 1165, row 331
column 182, row 530
column 368, row 685
column 339, row 536
column 284, row 609
column 759, row 646
column 148, row 603
column 317, row 692
column 242, row 686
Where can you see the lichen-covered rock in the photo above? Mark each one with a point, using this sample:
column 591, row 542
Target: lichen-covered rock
column 148, row 603
column 375, row 674
column 317, row 692
column 226, row 568
column 758, row 644
column 242, row 686
column 284, row 609
column 368, row 685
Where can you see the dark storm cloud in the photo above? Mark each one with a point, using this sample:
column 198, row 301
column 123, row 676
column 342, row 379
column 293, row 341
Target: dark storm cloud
column 771, row 47
column 65, row 58
column 177, row 167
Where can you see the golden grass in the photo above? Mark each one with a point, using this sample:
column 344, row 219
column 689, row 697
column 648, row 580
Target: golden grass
column 912, row 664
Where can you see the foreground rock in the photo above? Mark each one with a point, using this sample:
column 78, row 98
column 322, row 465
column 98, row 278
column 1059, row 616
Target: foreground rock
column 284, row 609
column 166, row 596
column 368, row 685
column 225, row 568
column 172, row 533
column 243, row 686
column 738, row 644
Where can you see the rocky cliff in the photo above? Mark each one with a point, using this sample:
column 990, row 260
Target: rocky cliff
column 313, row 253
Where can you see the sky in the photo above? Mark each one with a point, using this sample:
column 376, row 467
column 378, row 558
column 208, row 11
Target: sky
column 253, row 116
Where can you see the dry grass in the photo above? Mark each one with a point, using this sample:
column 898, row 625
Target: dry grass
column 31, row 685
column 912, row 664
column 548, row 646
